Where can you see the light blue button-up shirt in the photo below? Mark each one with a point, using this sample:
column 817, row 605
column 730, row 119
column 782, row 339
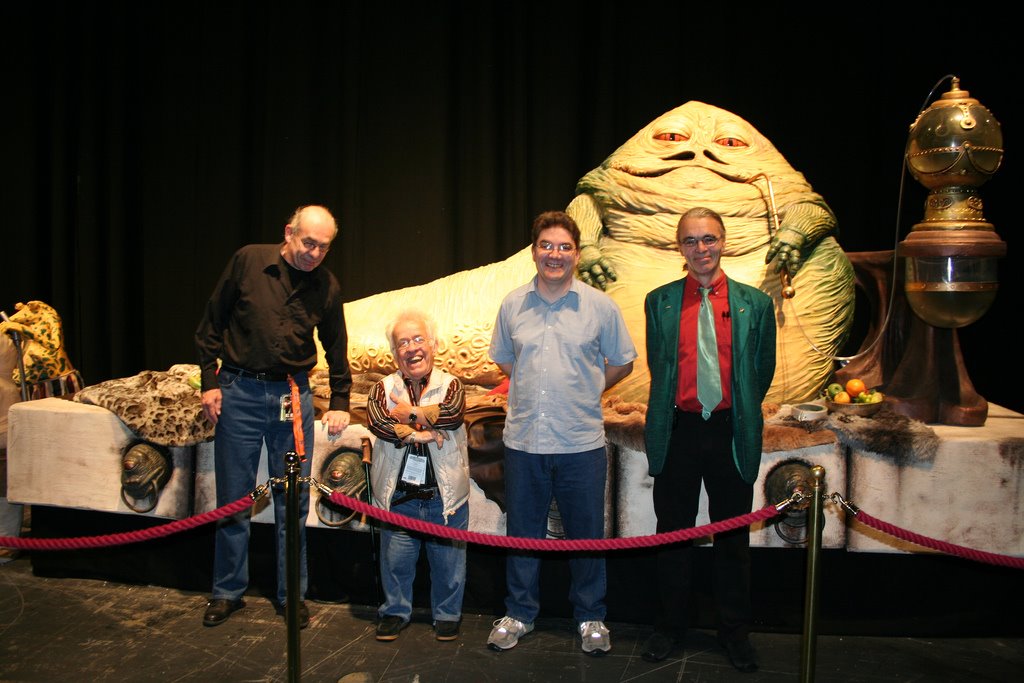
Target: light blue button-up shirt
column 558, row 353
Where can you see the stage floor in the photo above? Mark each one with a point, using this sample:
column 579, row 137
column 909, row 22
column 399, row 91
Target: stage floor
column 106, row 631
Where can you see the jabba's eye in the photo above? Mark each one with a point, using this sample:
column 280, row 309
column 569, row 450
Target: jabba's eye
column 672, row 137
column 731, row 142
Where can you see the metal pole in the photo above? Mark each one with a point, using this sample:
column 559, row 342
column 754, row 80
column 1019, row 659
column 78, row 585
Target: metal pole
column 810, row 634
column 291, row 492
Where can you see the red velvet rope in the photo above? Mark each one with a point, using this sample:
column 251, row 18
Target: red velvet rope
column 766, row 512
column 128, row 536
column 591, row 544
column 948, row 548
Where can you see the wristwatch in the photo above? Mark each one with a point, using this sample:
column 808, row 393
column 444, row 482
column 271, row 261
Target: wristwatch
column 412, row 416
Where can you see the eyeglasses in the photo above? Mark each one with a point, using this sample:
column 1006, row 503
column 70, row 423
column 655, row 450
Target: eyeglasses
column 406, row 343
column 310, row 245
column 706, row 240
column 564, row 248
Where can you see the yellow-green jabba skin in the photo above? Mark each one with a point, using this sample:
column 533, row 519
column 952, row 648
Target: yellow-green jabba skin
column 700, row 155
column 628, row 210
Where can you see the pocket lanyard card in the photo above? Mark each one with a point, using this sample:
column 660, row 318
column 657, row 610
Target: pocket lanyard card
column 415, row 470
column 286, row 408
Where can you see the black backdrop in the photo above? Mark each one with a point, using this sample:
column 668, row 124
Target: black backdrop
column 143, row 143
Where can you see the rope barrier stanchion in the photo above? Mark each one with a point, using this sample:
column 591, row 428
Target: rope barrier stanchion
column 292, row 469
column 808, row 642
column 291, row 607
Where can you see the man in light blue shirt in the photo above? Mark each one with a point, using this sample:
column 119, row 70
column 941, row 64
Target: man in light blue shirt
column 562, row 344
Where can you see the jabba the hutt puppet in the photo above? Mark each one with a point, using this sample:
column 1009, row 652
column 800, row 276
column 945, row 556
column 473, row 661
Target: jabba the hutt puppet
column 627, row 209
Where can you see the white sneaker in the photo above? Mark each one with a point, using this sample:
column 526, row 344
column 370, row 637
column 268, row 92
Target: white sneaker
column 595, row 636
column 506, row 633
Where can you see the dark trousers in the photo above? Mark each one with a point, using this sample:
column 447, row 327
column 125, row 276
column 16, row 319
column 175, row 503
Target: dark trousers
column 702, row 450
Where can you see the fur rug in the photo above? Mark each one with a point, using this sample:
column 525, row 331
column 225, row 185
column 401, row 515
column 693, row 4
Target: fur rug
column 160, row 407
column 905, row 440
column 624, row 426
column 886, row 432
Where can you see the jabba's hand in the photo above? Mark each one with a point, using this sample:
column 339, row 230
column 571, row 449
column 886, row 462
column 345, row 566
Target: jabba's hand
column 594, row 269
column 787, row 245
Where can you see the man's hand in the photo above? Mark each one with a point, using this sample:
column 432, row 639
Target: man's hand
column 402, row 412
column 211, row 405
column 438, row 436
column 336, row 421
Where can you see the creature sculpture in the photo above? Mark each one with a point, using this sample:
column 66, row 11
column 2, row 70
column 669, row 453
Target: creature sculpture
column 48, row 370
column 699, row 155
column 694, row 155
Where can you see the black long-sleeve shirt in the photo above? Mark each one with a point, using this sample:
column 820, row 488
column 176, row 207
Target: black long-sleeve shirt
column 261, row 316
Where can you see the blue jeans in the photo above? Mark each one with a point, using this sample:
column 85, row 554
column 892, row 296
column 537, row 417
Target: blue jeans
column 250, row 416
column 400, row 550
column 576, row 481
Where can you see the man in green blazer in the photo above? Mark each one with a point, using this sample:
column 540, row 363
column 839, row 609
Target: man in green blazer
column 716, row 439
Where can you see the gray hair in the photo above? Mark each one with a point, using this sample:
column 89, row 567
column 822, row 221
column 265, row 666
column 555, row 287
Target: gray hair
column 700, row 212
column 411, row 315
column 296, row 220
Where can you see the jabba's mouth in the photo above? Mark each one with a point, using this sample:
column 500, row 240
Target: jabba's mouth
column 683, row 157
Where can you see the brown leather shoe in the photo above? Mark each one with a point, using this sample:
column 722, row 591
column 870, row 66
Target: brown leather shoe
column 303, row 613
column 219, row 609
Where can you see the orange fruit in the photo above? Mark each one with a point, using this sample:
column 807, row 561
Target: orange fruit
column 841, row 397
column 855, row 387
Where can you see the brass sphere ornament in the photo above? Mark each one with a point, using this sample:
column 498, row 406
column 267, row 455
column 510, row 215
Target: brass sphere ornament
column 954, row 147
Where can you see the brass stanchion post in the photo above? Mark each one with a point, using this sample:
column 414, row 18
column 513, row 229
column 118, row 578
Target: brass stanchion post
column 810, row 634
column 291, row 492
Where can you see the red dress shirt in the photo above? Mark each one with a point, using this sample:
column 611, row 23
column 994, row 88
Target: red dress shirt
column 686, row 389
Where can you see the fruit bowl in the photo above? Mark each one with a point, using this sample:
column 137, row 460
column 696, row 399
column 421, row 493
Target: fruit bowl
column 858, row 409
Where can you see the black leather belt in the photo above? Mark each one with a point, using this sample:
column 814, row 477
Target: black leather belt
column 259, row 376
column 424, row 493
column 725, row 414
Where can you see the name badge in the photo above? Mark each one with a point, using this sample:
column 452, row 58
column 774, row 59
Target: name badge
column 415, row 471
column 286, row 408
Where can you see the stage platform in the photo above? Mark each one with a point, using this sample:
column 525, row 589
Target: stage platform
column 963, row 489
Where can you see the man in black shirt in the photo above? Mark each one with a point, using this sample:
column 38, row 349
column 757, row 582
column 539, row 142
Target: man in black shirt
column 259, row 323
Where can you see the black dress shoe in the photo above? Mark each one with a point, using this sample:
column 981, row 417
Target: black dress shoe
column 742, row 655
column 389, row 627
column 446, row 630
column 303, row 613
column 218, row 610
column 658, row 646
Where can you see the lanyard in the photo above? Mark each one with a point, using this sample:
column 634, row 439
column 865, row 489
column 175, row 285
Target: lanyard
column 300, row 437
